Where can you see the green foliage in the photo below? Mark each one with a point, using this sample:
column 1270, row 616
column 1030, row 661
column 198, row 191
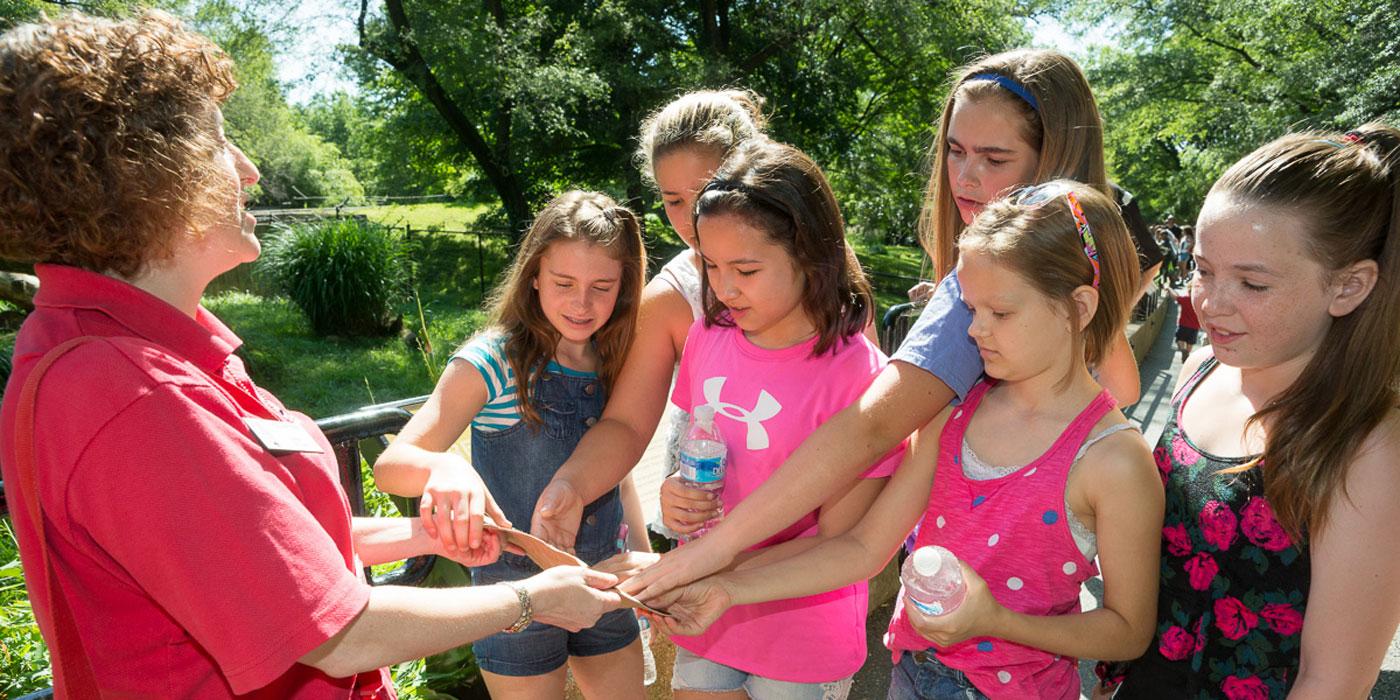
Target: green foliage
column 294, row 162
column 532, row 97
column 1192, row 85
column 24, row 660
column 348, row 276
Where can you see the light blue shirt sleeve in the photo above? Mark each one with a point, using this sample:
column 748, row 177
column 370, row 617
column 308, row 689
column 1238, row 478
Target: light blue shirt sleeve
column 938, row 342
column 486, row 353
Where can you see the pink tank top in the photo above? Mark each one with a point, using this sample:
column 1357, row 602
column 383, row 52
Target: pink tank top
column 1012, row 531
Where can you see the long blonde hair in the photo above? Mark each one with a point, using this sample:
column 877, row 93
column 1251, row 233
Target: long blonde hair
column 530, row 339
column 1064, row 128
column 1347, row 188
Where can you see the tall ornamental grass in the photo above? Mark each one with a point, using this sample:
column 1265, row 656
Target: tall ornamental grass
column 347, row 275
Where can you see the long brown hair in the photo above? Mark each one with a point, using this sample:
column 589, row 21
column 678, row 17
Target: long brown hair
column 1347, row 189
column 1041, row 243
column 778, row 189
column 1064, row 128
column 530, row 339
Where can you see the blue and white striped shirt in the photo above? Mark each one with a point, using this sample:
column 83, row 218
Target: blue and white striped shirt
column 486, row 352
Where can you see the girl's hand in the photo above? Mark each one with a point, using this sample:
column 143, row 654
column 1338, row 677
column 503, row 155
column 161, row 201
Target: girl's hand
column 558, row 511
column 572, row 597
column 685, row 509
column 627, row 564
column 487, row 553
column 693, row 608
column 677, row 568
column 921, row 292
column 976, row 616
column 454, row 502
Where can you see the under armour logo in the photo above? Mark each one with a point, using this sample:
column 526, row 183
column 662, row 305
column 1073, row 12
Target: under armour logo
column 766, row 408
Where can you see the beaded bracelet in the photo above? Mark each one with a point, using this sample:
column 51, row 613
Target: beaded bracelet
column 527, row 610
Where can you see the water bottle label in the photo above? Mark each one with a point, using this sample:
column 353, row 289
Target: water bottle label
column 934, row 609
column 701, row 470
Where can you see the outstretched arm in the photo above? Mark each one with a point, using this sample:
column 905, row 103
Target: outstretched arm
column 855, row 555
column 417, row 462
column 901, row 398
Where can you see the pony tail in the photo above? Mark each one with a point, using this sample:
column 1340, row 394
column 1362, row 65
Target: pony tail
column 1350, row 187
column 752, row 103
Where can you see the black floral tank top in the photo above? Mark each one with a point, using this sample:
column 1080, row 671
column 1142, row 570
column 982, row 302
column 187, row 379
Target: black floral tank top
column 1233, row 584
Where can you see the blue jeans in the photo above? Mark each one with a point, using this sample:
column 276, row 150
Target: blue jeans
column 697, row 673
column 921, row 676
column 516, row 464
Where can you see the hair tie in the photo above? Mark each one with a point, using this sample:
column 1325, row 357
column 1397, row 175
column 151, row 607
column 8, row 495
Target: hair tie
column 1016, row 88
column 1353, row 137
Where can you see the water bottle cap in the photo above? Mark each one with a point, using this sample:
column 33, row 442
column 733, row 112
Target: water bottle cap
column 704, row 414
column 928, row 560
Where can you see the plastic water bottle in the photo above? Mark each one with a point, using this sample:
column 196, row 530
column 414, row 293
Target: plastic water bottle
column 648, row 658
column 702, row 457
column 933, row 581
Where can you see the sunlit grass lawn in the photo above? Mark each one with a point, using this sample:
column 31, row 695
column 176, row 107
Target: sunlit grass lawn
column 445, row 215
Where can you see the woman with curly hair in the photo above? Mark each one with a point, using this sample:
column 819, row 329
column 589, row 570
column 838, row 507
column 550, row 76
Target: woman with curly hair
column 183, row 533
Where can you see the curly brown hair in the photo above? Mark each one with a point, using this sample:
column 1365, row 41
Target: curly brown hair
column 108, row 139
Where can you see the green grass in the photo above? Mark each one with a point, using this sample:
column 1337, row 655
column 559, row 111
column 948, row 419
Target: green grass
column 450, row 216
column 880, row 261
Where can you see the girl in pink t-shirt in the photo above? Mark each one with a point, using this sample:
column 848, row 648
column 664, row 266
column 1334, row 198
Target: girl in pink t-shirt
column 779, row 350
column 1026, row 481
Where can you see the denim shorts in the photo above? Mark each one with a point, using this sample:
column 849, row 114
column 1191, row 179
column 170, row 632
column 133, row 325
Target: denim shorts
column 702, row 675
column 921, row 676
column 540, row 648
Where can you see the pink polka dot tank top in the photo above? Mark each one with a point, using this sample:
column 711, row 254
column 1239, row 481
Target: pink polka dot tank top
column 1013, row 531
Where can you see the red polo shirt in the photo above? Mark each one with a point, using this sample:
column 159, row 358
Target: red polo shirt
column 196, row 563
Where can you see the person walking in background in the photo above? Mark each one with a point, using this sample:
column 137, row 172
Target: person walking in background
column 1188, row 327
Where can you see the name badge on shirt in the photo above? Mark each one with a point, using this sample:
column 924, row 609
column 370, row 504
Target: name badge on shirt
column 280, row 436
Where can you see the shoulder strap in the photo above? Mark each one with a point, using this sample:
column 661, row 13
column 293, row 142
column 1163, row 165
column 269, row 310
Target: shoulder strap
column 1115, row 428
column 72, row 673
column 1202, row 370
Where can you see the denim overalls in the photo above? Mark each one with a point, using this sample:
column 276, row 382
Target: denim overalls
column 516, row 464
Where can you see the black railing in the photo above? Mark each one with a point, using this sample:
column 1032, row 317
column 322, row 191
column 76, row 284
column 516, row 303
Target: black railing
column 346, row 433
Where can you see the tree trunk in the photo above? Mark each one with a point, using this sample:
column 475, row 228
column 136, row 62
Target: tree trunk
column 494, row 162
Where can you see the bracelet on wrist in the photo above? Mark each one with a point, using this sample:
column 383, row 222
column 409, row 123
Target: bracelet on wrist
column 527, row 610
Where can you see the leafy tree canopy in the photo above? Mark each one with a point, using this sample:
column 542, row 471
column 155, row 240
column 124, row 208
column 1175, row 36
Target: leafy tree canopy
column 1192, row 85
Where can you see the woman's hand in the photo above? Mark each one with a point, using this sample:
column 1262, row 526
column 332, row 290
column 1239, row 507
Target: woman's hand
column 976, row 617
column 694, row 607
column 627, row 564
column 572, row 597
column 685, row 509
column 454, row 502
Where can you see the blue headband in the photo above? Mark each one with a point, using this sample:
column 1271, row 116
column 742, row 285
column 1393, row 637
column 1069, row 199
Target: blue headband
column 1016, row 88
